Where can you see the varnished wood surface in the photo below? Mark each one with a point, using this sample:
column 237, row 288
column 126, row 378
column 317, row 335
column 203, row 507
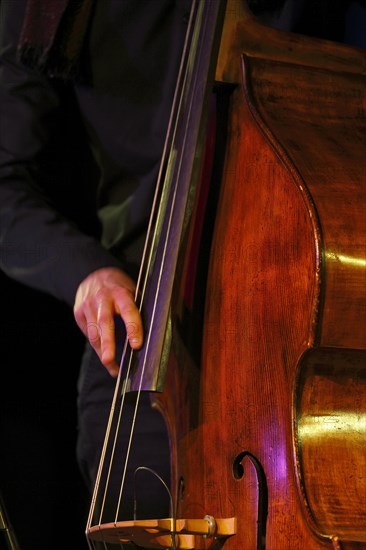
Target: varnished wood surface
column 330, row 418
column 320, row 125
column 267, row 418
column 284, row 327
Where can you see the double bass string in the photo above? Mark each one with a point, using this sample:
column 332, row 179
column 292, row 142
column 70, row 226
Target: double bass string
column 168, row 161
column 155, row 221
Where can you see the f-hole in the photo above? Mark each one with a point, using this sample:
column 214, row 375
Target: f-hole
column 262, row 510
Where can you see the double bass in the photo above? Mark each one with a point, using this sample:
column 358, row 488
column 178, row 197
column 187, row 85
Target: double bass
column 254, row 297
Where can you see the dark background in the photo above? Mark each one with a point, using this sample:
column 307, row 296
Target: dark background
column 41, row 347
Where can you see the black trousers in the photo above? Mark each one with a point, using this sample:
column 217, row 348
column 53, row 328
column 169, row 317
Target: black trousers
column 142, row 490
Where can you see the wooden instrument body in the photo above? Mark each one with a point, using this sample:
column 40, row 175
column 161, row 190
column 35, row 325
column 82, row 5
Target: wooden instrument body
column 269, row 424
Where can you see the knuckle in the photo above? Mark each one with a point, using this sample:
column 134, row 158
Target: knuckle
column 93, row 332
column 127, row 312
column 101, row 295
column 124, row 293
column 105, row 320
column 131, row 329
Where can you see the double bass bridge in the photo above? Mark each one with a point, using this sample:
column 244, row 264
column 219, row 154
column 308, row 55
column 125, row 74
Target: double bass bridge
column 163, row 533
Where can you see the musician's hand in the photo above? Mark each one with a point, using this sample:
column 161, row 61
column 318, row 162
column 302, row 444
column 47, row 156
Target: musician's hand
column 100, row 296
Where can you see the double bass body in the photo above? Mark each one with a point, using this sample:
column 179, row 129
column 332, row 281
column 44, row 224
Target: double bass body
column 267, row 420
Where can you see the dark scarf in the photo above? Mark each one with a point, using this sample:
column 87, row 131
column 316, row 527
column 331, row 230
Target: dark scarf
column 52, row 35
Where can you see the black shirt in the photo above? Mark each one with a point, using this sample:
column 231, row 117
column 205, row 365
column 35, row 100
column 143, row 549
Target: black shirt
column 123, row 93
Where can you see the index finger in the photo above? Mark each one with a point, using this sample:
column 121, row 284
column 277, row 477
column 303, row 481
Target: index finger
column 132, row 320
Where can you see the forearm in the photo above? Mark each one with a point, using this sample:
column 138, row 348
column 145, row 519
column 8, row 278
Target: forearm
column 38, row 247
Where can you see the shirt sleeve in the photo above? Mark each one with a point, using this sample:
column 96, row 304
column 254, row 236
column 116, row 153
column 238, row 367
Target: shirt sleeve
column 39, row 246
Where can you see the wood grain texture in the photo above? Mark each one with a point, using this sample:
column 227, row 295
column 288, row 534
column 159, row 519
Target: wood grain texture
column 267, row 418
